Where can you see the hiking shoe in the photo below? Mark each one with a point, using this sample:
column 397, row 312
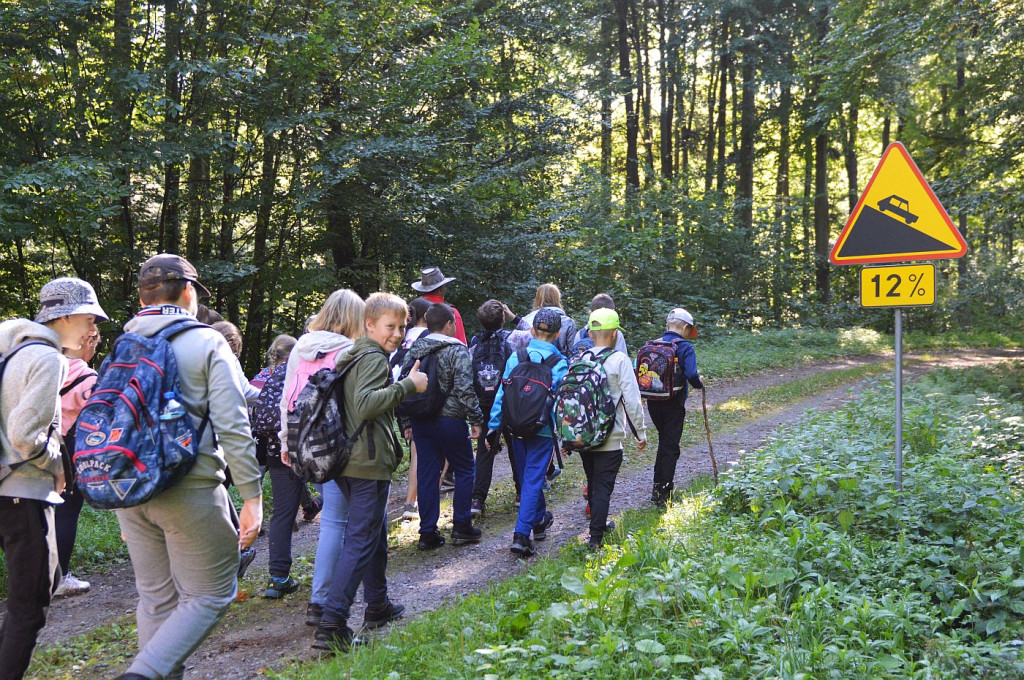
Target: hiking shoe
column 312, row 510
column 540, row 532
column 245, row 558
column 609, row 526
column 314, row 613
column 430, row 541
column 477, row 508
column 71, row 586
column 593, row 546
column 519, row 499
column 522, row 545
column 448, row 482
column 554, row 473
column 378, row 617
column 279, row 586
column 334, row 638
column 465, row 533
column 131, row 676
column 411, row 511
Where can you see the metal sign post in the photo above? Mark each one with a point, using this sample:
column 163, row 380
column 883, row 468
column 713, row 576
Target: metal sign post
column 899, row 399
column 897, row 219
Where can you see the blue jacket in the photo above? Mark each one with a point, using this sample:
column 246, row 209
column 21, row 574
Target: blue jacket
column 539, row 350
column 688, row 360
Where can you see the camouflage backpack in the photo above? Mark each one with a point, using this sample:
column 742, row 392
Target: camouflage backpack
column 584, row 410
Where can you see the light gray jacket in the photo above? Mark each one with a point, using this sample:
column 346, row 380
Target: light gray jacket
column 210, row 379
column 30, row 410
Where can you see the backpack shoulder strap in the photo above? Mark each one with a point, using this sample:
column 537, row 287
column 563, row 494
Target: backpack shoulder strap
column 75, row 383
column 523, row 355
column 172, row 329
column 551, row 360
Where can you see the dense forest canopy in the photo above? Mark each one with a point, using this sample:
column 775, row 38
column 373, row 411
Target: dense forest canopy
column 697, row 152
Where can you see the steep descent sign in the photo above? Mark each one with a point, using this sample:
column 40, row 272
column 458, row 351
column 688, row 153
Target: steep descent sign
column 898, row 218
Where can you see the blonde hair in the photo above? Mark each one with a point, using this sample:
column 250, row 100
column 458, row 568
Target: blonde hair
column 379, row 304
column 548, row 295
column 342, row 314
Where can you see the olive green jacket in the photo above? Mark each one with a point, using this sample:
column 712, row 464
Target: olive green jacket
column 370, row 396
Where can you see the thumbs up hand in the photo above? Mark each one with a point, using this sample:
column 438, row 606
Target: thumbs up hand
column 420, row 379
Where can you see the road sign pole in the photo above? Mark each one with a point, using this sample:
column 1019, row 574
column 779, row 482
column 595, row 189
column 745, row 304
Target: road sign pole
column 899, row 399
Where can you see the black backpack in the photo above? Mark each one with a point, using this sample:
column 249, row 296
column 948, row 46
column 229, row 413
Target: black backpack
column 489, row 357
column 318, row 446
column 266, row 412
column 430, row 402
column 528, row 399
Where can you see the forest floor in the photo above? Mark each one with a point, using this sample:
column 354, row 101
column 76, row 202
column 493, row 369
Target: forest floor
column 259, row 634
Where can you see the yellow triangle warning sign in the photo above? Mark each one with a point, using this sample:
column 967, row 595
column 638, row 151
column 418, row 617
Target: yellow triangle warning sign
column 898, row 218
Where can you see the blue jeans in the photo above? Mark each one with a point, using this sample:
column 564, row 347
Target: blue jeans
column 333, row 523
column 532, row 457
column 364, row 558
column 286, row 489
column 437, row 440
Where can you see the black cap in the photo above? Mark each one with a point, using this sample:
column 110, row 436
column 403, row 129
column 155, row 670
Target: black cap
column 547, row 320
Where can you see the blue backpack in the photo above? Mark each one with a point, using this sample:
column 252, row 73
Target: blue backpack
column 134, row 438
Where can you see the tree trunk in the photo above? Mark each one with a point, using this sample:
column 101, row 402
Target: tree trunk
column 850, row 152
column 258, row 318
column 821, row 221
column 748, row 126
column 170, row 220
column 622, row 12
column 724, row 65
column 607, row 48
column 961, row 115
column 122, row 124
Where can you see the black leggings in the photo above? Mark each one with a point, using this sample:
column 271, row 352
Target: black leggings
column 66, row 523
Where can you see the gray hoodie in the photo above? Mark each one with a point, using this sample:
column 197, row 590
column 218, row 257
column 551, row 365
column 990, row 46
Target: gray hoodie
column 210, row 379
column 30, row 410
column 309, row 347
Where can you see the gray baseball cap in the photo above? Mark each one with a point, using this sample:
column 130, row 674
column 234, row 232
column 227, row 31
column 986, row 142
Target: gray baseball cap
column 66, row 296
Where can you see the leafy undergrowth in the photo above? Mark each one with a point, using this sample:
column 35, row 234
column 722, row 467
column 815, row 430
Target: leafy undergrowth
column 804, row 562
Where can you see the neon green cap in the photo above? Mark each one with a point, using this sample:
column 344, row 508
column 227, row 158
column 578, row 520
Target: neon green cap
column 603, row 320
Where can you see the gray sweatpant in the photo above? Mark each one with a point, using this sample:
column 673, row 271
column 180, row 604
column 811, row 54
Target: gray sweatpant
column 184, row 551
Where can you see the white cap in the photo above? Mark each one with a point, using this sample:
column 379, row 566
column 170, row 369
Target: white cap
column 680, row 314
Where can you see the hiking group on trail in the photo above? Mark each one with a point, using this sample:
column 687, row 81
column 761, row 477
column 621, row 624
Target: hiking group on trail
column 170, row 420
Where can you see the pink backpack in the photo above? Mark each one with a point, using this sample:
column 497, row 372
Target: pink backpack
column 305, row 369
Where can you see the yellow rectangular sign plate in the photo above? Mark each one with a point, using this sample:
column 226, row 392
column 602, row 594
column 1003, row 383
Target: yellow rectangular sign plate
column 904, row 285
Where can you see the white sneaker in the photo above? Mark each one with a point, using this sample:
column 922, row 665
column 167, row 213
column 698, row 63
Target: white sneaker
column 412, row 511
column 71, row 585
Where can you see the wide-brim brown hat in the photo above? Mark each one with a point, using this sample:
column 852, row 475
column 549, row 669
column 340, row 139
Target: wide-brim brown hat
column 169, row 267
column 431, row 279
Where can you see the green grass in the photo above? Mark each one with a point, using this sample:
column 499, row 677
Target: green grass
column 805, row 562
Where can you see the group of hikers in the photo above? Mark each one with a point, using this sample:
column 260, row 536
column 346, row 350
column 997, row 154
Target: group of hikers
column 170, row 419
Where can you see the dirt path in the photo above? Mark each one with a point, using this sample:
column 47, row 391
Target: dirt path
column 262, row 634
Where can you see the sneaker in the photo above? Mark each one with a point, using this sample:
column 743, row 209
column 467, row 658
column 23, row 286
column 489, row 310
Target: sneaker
column 522, row 545
column 311, row 511
column 546, row 486
column 609, row 526
column 334, row 638
column 411, row 511
column 131, row 676
column 477, row 508
column 519, row 499
column 430, row 541
column 593, row 546
column 378, row 617
column 245, row 558
column 465, row 533
column 448, row 482
column 314, row 613
column 278, row 587
column 71, row 586
column 540, row 532
column 554, row 473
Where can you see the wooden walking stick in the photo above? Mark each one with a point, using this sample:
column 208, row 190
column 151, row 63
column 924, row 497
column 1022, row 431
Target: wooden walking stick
column 707, row 428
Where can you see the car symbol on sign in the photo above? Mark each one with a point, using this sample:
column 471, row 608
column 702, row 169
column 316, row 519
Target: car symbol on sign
column 897, row 206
